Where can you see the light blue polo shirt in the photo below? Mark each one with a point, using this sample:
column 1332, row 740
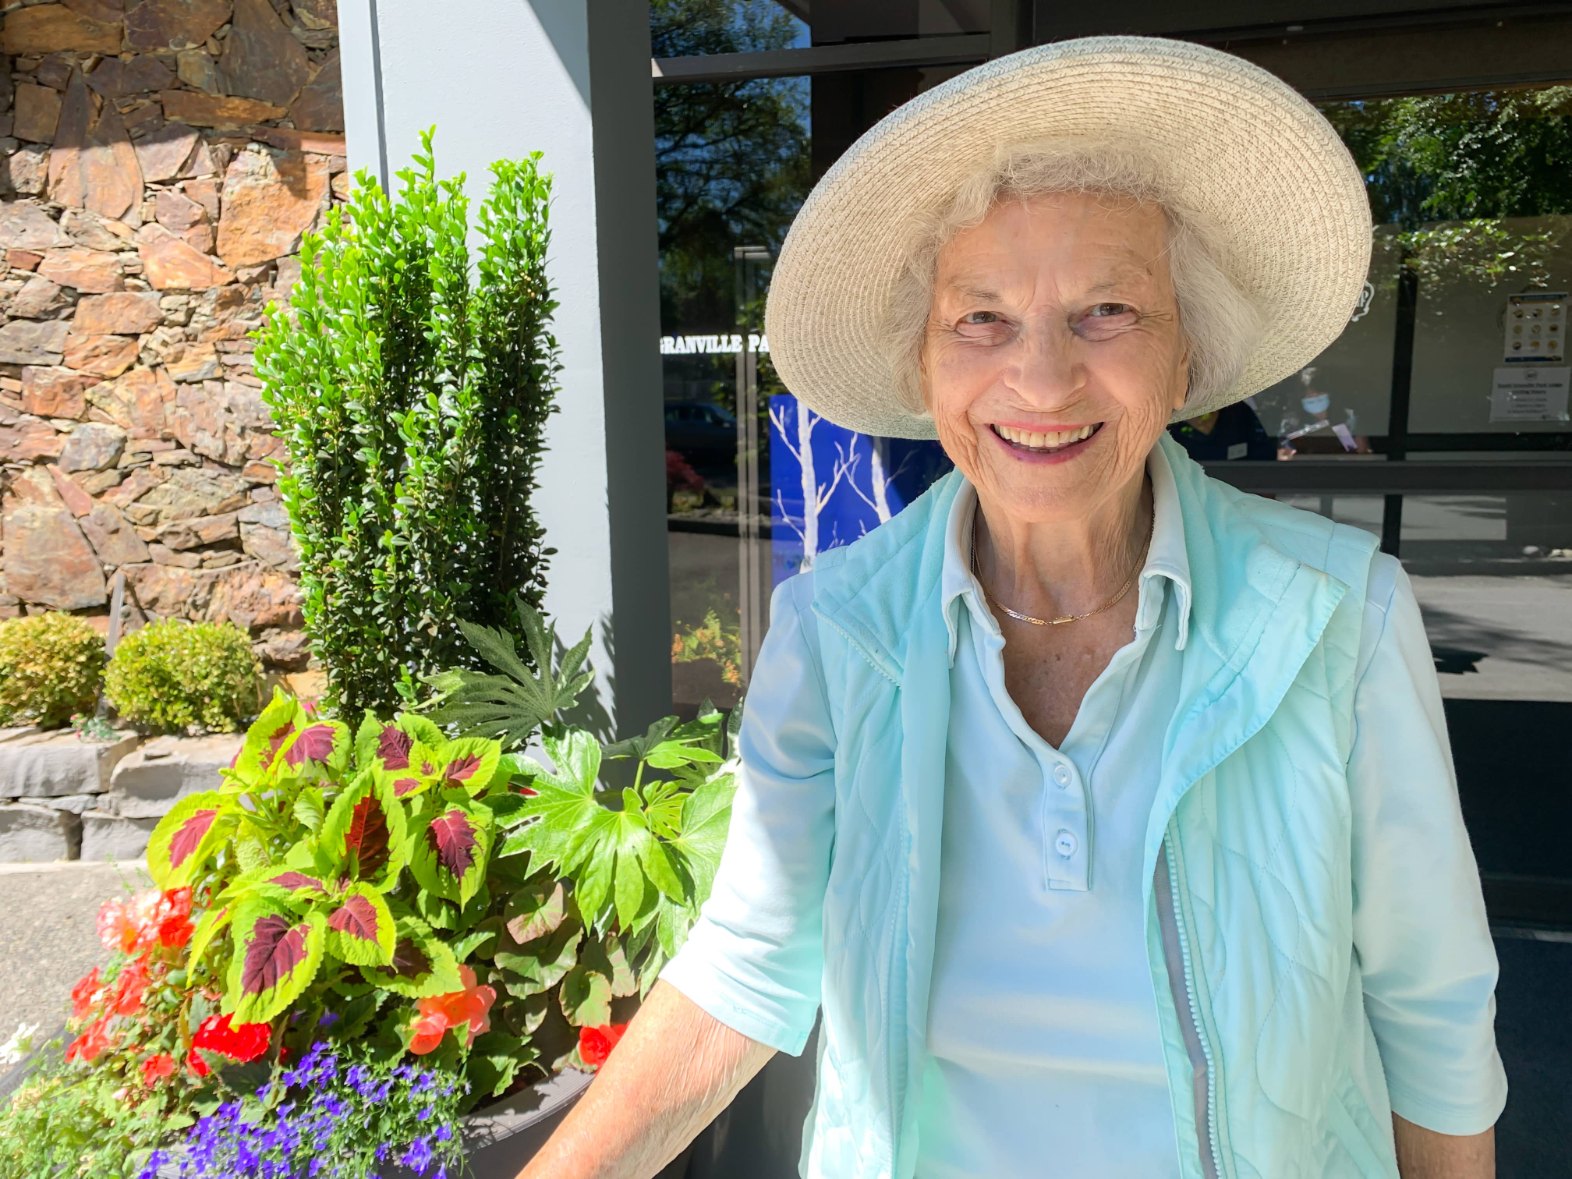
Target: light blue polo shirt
column 1043, row 1033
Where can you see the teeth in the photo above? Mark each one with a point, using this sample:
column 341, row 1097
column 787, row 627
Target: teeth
column 1044, row 441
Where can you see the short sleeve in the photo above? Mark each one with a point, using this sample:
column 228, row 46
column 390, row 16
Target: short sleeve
column 1420, row 930
column 754, row 959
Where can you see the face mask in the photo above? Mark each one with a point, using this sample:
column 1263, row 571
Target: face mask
column 1317, row 403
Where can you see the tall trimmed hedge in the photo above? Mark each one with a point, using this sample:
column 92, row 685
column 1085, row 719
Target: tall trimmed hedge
column 411, row 384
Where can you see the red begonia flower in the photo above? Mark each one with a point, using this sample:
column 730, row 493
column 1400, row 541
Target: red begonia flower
column 596, row 1043
column 244, row 1042
column 198, row 1066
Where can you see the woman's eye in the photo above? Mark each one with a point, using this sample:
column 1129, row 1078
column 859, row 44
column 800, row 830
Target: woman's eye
column 1107, row 310
column 979, row 318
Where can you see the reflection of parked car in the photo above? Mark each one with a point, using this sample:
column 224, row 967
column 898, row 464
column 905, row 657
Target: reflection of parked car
column 702, row 432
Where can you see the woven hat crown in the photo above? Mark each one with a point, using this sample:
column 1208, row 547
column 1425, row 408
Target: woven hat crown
column 1237, row 145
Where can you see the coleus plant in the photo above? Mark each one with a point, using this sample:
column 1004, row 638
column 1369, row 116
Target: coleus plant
column 313, row 857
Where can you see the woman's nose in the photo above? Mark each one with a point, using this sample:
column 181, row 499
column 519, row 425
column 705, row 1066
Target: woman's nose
column 1047, row 373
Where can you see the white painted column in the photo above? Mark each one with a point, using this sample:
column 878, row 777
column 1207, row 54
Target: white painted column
column 502, row 78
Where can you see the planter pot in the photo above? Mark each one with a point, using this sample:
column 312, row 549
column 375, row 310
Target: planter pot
column 500, row 1138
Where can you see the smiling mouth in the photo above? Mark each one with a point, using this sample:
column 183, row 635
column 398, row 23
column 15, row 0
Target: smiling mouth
column 1047, row 441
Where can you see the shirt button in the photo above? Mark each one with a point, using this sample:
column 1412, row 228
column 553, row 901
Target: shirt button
column 1061, row 775
column 1065, row 844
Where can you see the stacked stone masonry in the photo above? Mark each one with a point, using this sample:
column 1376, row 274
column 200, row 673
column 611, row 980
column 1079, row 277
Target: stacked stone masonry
column 160, row 161
column 64, row 798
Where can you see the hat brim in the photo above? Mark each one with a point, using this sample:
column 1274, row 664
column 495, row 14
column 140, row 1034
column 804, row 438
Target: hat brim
column 1245, row 152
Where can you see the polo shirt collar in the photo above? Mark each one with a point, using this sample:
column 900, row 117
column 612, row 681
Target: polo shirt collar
column 1166, row 558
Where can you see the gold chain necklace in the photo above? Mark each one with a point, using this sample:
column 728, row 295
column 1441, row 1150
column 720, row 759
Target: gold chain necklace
column 1108, row 605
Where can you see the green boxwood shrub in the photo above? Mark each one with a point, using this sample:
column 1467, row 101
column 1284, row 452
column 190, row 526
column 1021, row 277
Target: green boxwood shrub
column 410, row 380
column 175, row 676
column 51, row 666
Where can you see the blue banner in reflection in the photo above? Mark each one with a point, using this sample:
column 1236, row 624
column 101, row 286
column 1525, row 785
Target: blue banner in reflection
column 830, row 485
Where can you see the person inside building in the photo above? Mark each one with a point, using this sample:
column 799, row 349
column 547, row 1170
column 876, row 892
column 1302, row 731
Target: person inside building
column 1220, row 435
column 1100, row 814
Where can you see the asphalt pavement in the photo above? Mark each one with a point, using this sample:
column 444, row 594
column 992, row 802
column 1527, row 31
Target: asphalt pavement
column 49, row 936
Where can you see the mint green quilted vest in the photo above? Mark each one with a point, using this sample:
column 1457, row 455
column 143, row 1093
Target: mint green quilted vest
column 1272, row 1065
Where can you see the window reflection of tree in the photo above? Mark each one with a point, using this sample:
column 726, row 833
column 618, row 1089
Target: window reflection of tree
column 1470, row 160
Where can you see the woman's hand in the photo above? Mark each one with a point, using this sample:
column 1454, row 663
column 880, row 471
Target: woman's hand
column 670, row 1075
column 1425, row 1154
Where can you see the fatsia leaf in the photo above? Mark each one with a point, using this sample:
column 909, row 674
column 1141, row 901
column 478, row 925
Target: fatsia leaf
column 671, row 755
column 186, row 838
column 277, row 954
column 422, row 965
column 563, row 813
column 364, row 836
column 448, row 857
column 660, row 866
column 706, row 815
column 360, row 927
column 511, row 704
column 641, row 746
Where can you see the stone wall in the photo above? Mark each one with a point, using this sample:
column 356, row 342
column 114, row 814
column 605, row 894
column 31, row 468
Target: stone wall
column 159, row 162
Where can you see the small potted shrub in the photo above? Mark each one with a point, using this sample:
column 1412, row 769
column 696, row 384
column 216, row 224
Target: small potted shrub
column 51, row 669
column 174, row 676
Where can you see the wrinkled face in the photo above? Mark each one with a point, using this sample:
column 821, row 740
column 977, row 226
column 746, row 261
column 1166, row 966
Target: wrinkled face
column 1053, row 356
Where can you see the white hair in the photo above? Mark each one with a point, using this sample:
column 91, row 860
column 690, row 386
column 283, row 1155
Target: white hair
column 1218, row 320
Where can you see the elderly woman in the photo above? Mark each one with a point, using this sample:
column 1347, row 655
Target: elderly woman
column 1105, row 813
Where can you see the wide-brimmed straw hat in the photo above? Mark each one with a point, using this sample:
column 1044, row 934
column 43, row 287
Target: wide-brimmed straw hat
column 1289, row 220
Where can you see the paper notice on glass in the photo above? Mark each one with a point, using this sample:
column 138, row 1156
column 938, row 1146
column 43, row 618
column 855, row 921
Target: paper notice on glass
column 1536, row 328
column 1530, row 394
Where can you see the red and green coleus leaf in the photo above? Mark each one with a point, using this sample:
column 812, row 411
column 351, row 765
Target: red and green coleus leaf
column 448, row 855
column 186, row 838
column 389, row 742
column 277, row 725
column 278, row 951
column 318, row 745
column 361, row 927
column 468, row 764
column 365, row 834
column 421, row 770
column 422, row 965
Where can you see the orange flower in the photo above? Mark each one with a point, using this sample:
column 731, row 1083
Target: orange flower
column 90, row 1044
column 596, row 1043
column 85, row 995
column 469, row 1008
column 130, row 925
column 130, row 989
column 157, row 1067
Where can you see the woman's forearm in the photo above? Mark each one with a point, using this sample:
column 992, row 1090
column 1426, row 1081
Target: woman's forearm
column 1425, row 1154
column 671, row 1074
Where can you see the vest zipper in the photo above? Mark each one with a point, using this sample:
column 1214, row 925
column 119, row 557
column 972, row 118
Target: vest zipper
column 1190, row 1016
